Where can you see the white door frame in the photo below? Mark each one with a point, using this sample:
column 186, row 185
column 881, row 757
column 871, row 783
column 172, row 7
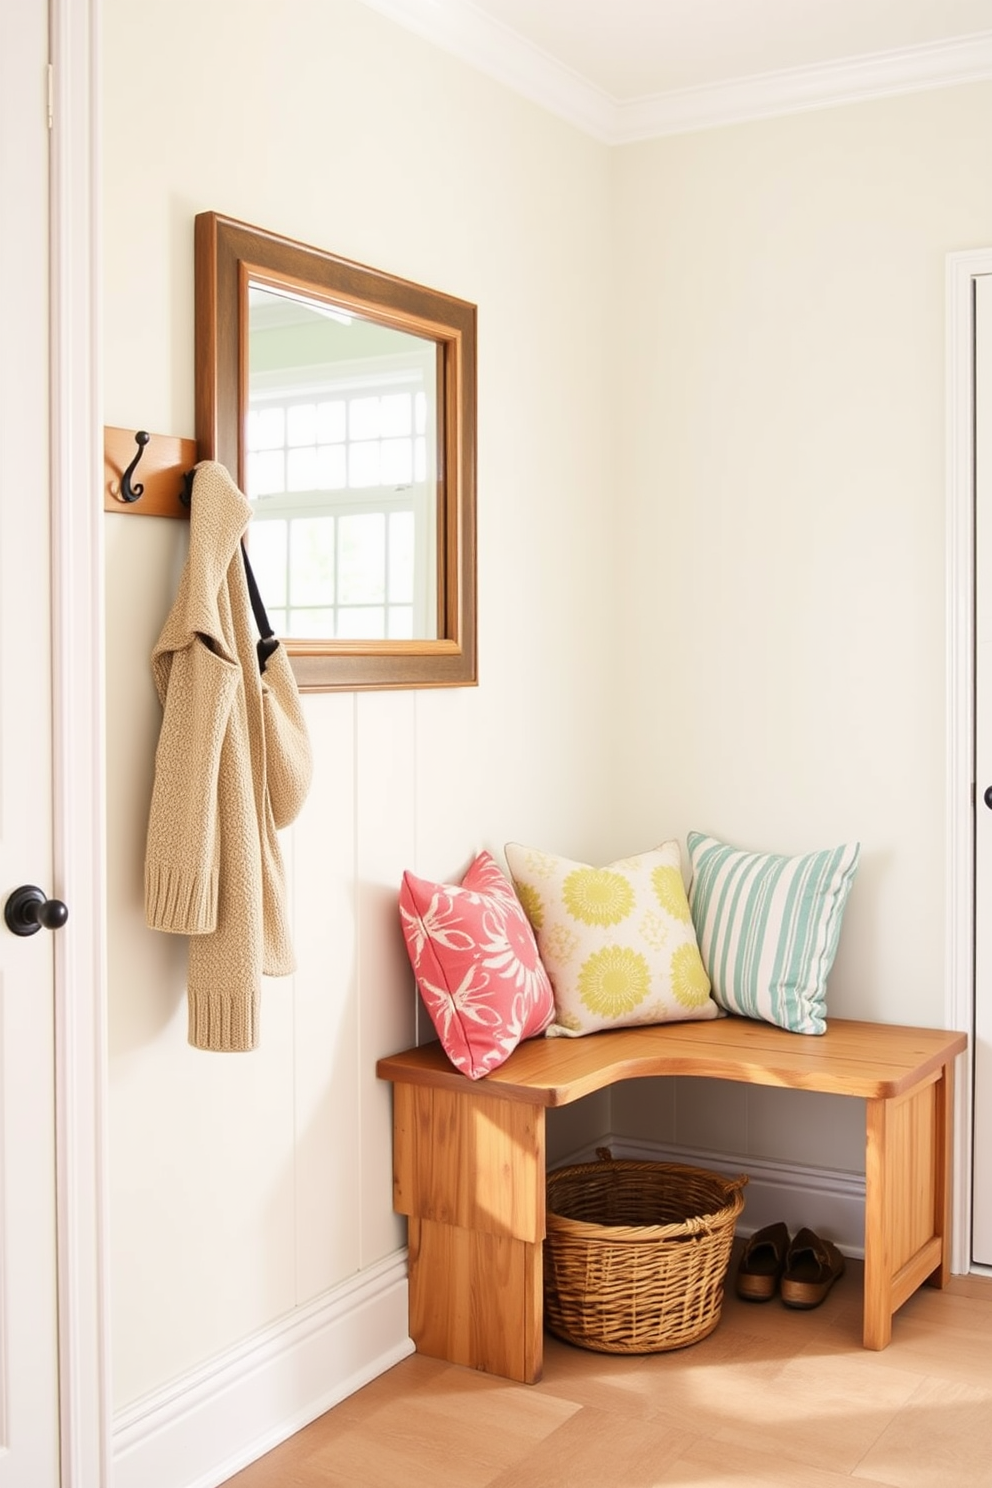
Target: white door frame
column 78, row 745
column 962, row 269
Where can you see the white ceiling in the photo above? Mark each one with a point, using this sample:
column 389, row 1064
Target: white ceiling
column 632, row 48
column 628, row 69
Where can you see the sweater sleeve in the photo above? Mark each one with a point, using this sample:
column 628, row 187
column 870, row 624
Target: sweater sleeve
column 181, row 857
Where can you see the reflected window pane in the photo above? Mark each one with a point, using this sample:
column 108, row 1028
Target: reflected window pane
column 311, row 553
column 365, row 623
column 363, row 418
column 266, row 474
column 301, row 424
column 331, row 422
column 401, row 533
column 401, row 622
column 332, row 472
column 363, row 464
column 312, row 625
column 394, row 414
column 348, row 569
column 344, row 447
column 361, row 562
column 266, row 428
column 396, row 462
column 301, row 470
column 267, row 550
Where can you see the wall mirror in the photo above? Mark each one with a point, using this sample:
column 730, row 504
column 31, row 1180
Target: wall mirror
column 342, row 400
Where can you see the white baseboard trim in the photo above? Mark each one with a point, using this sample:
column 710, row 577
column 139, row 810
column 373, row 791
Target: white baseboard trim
column 206, row 1426
column 830, row 1202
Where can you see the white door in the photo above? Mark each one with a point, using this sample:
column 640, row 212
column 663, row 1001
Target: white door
column 982, row 1187
column 29, row 1406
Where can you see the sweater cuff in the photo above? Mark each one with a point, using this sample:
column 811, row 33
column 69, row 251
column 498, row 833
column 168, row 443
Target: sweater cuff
column 180, row 902
column 223, row 1024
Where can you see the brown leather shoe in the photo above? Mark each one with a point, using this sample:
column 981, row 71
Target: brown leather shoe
column 812, row 1266
column 762, row 1263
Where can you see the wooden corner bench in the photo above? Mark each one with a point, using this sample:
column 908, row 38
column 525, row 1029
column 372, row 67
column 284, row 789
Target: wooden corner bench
column 469, row 1163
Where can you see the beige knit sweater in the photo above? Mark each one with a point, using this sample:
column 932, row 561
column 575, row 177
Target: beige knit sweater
column 233, row 764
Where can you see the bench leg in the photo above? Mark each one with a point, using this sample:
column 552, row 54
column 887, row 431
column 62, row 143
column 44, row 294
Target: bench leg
column 878, row 1265
column 907, row 1200
column 477, row 1299
column 469, row 1172
column 944, row 1158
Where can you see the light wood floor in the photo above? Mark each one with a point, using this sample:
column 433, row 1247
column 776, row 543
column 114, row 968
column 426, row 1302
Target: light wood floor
column 772, row 1397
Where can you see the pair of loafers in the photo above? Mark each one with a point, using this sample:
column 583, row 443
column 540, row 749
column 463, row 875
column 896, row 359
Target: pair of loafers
column 802, row 1270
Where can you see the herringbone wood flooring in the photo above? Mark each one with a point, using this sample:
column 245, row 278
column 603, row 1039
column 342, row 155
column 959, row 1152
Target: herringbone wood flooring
column 772, row 1397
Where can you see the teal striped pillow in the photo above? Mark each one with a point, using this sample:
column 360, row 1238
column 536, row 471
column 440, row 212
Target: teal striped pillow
column 768, row 927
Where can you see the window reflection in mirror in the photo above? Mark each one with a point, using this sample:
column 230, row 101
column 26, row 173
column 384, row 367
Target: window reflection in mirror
column 341, row 469
column 342, row 400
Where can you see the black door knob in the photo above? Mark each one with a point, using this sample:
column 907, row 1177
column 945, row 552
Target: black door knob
column 987, row 798
column 28, row 909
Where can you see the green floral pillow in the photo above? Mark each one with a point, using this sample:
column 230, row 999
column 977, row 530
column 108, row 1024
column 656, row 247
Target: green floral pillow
column 617, row 942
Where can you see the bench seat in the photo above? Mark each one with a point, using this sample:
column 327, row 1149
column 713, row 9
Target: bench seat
column 469, row 1162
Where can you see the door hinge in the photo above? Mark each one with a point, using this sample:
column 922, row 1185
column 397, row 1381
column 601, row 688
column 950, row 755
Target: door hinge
column 51, row 95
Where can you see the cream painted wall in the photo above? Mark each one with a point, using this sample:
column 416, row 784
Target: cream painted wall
column 780, row 289
column 241, row 1186
column 764, row 658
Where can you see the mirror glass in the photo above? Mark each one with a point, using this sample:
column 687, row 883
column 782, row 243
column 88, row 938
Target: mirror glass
column 341, row 469
column 342, row 400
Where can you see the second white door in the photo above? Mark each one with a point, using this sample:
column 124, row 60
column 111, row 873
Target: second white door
column 982, row 1180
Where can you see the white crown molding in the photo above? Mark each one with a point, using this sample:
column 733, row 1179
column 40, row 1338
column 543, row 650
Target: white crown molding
column 505, row 55
column 967, row 59
column 458, row 27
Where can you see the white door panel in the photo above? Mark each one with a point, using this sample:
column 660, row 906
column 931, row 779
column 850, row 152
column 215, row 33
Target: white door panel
column 29, row 1415
column 982, row 1199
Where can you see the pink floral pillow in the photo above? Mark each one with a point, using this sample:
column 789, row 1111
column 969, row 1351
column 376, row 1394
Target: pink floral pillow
column 476, row 963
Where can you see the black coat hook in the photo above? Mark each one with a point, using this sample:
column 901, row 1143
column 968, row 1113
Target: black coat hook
column 186, row 494
column 129, row 492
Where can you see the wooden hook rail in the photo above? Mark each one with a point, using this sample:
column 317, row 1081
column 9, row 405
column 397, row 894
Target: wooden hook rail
column 164, row 461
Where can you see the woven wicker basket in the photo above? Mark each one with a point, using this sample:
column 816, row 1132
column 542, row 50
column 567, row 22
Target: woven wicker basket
column 636, row 1253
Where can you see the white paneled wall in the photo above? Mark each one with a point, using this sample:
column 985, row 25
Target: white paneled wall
column 710, row 596
column 387, row 810
column 742, row 1121
column 327, row 1014
column 251, row 1195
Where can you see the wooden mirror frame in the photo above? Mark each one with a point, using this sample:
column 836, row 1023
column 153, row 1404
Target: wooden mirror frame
column 228, row 255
